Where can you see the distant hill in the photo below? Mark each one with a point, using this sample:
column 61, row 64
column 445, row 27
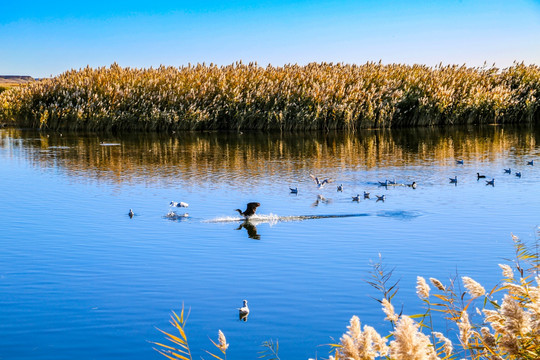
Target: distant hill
column 10, row 80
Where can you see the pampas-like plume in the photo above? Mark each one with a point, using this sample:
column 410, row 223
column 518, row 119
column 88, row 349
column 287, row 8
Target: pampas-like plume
column 437, row 284
column 388, row 309
column 409, row 343
column 422, row 288
column 464, row 328
column 507, row 271
column 473, row 288
column 362, row 345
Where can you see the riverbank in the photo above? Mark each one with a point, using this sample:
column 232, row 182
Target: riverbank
column 290, row 98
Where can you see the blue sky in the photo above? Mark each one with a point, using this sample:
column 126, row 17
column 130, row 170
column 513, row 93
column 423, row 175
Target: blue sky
column 48, row 38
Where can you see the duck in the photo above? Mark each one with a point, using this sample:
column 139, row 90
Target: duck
column 178, row 204
column 131, row 213
column 294, row 190
column 518, row 174
column 391, row 182
column 385, row 183
column 250, row 211
column 530, row 162
column 480, row 176
column 319, row 183
column 356, row 198
column 454, row 180
column 490, row 182
column 244, row 310
column 459, row 162
column 366, row 195
column 340, row 188
column 413, row 185
column 381, row 198
column 508, row 171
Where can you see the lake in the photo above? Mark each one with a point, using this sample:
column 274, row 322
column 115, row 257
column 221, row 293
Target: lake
column 81, row 279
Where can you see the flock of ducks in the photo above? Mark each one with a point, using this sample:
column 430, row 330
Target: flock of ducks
column 491, row 182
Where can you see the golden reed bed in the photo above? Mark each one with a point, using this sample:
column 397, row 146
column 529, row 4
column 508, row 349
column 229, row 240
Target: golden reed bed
column 289, row 98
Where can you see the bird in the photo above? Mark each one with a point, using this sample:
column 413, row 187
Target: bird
column 356, row 198
column 391, row 182
column 320, row 184
column 131, row 213
column 178, row 204
column 250, row 211
column 243, row 312
column 385, row 183
column 294, row 190
column 366, row 195
column 459, row 162
column 518, row 174
column 490, row 182
column 508, row 171
column 530, row 162
column 381, row 198
column 454, row 180
column 340, row 187
column 413, row 185
column 480, row 176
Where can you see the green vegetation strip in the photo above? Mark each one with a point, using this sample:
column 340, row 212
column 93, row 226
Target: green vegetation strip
column 289, row 98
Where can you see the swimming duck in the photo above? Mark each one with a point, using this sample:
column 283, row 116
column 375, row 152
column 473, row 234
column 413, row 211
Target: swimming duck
column 131, row 213
column 178, row 204
column 459, row 162
column 480, row 176
column 244, row 310
column 508, row 171
column 518, row 174
column 294, row 190
column 385, row 183
column 413, row 185
column 454, row 180
column 391, row 182
column 381, row 198
column 490, row 182
column 530, row 162
column 356, row 198
column 366, row 195
column 250, row 211
column 320, row 184
column 340, row 187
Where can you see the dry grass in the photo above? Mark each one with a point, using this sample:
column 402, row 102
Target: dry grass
column 312, row 97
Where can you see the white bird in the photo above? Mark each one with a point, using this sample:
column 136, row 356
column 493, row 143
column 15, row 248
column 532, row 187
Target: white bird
column 320, row 184
column 244, row 310
column 131, row 213
column 178, row 204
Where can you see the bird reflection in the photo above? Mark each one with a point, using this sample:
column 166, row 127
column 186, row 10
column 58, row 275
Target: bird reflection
column 251, row 230
column 321, row 200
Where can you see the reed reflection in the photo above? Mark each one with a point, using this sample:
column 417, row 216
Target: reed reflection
column 226, row 158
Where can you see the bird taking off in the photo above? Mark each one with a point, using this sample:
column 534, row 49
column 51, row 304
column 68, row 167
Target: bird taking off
column 250, row 211
column 320, row 184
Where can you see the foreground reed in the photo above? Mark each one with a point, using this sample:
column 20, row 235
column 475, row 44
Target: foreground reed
column 312, row 97
column 507, row 329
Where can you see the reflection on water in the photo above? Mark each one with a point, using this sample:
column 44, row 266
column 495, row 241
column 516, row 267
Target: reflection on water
column 74, row 264
column 195, row 158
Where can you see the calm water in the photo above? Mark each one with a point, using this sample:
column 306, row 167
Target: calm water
column 80, row 279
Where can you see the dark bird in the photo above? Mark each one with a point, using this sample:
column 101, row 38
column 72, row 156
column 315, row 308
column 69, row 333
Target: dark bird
column 413, row 185
column 381, row 198
column 490, row 182
column 250, row 211
column 131, row 213
column 385, row 183
column 459, row 162
column 340, row 187
column 366, row 195
column 480, row 176
column 530, row 162
column 508, row 171
column 454, row 180
column 356, row 198
column 294, row 190
column 518, row 174
column 319, row 183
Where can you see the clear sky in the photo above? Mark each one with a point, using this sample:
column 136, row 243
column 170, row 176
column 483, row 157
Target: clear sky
column 46, row 38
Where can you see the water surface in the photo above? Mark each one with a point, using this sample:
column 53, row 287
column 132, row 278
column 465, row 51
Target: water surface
column 81, row 279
